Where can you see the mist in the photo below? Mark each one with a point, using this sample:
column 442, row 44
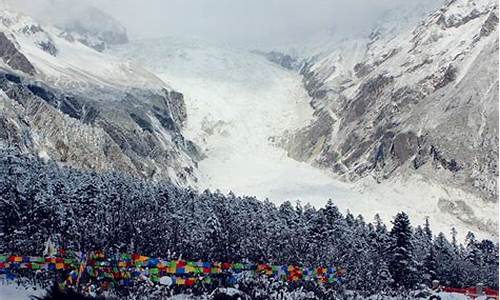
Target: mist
column 232, row 21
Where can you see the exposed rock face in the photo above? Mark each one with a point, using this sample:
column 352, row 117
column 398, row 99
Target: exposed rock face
column 422, row 102
column 75, row 21
column 138, row 134
column 12, row 57
column 97, row 114
column 282, row 59
column 490, row 24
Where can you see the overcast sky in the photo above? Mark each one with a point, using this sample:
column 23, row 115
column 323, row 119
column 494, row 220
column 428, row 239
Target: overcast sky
column 240, row 19
column 254, row 21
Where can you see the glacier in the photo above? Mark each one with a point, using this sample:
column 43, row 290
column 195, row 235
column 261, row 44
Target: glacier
column 240, row 105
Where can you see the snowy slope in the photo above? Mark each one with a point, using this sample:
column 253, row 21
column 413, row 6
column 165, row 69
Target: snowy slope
column 77, row 20
column 387, row 24
column 68, row 102
column 239, row 105
column 236, row 103
column 70, row 62
column 419, row 108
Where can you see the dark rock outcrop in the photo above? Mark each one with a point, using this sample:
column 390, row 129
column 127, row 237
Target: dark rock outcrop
column 489, row 25
column 13, row 57
column 94, row 28
column 284, row 60
column 49, row 47
column 82, row 131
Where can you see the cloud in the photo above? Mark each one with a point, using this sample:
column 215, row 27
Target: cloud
column 235, row 21
column 250, row 20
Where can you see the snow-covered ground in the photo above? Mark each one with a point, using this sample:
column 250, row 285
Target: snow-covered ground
column 443, row 296
column 237, row 101
column 11, row 291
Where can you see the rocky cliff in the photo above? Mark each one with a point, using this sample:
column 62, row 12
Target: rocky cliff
column 67, row 102
column 423, row 102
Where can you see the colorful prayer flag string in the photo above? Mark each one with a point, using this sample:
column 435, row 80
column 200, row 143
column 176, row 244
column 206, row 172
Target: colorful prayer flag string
column 124, row 268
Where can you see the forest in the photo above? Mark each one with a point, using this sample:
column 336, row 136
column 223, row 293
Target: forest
column 113, row 212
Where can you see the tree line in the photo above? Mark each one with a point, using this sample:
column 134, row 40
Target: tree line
column 85, row 210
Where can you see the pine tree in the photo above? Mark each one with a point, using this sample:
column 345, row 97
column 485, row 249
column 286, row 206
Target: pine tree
column 402, row 263
column 472, row 260
column 430, row 265
column 119, row 212
column 444, row 257
column 454, row 234
column 426, row 252
column 427, row 230
column 489, row 258
column 215, row 239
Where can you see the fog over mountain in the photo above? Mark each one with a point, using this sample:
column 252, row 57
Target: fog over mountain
column 237, row 22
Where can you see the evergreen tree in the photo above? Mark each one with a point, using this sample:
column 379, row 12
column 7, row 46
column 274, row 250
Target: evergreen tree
column 444, row 256
column 430, row 266
column 472, row 261
column 113, row 212
column 402, row 264
column 489, row 262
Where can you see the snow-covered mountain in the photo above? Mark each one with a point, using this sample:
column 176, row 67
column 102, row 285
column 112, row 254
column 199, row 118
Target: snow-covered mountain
column 63, row 99
column 237, row 102
column 94, row 28
column 78, row 20
column 379, row 123
column 240, row 106
column 415, row 106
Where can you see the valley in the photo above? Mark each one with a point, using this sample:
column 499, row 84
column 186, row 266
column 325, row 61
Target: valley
column 240, row 105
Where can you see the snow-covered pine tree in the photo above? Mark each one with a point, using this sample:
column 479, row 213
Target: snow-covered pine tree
column 377, row 268
column 424, row 252
column 472, row 260
column 402, row 264
column 489, row 261
column 112, row 210
column 444, row 257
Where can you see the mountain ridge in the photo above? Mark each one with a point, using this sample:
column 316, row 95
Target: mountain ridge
column 406, row 106
column 61, row 100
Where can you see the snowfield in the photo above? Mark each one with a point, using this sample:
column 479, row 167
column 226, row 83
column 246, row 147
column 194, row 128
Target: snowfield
column 9, row 291
column 237, row 102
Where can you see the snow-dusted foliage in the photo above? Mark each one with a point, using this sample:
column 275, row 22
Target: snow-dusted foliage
column 114, row 212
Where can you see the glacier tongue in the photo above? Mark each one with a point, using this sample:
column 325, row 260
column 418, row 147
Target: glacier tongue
column 239, row 105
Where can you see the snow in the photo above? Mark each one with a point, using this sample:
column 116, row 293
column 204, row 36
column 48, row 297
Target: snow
column 419, row 197
column 443, row 296
column 11, row 291
column 229, row 291
column 237, row 102
column 74, row 65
